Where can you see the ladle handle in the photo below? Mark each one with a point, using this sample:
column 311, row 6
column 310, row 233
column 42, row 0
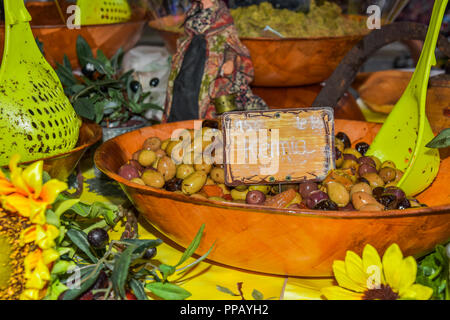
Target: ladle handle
column 16, row 12
column 419, row 80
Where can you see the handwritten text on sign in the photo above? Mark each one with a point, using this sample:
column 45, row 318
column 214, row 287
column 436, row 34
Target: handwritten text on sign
column 278, row 146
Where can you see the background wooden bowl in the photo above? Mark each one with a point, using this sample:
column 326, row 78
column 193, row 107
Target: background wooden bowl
column 280, row 241
column 59, row 40
column 285, row 62
column 62, row 165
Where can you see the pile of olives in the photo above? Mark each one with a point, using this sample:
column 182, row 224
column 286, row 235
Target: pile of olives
column 359, row 182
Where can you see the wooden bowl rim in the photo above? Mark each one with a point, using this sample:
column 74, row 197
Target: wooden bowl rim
column 161, row 193
column 345, row 37
column 96, row 129
column 63, row 26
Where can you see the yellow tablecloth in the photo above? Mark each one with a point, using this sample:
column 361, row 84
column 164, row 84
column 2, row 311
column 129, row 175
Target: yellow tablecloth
column 203, row 279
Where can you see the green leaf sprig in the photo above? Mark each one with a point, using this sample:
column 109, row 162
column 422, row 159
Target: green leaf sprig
column 103, row 93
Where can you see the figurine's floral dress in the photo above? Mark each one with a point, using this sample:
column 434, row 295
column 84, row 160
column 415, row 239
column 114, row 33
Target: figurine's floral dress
column 215, row 24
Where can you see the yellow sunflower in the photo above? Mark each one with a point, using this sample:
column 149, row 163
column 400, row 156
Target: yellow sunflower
column 370, row 278
column 27, row 241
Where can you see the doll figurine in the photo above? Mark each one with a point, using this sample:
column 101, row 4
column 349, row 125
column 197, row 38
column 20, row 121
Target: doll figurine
column 210, row 63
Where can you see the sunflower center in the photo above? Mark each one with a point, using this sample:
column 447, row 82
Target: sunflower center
column 12, row 255
column 5, row 269
column 384, row 292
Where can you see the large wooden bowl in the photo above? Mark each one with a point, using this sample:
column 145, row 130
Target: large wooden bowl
column 281, row 241
column 59, row 40
column 285, row 62
column 62, row 165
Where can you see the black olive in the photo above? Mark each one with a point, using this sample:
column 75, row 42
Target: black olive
column 154, row 82
column 377, row 192
column 344, row 138
column 98, row 238
column 326, row 205
column 135, row 86
column 88, row 70
column 362, row 147
column 150, row 253
column 173, row 184
column 403, row 204
column 389, row 201
column 214, row 124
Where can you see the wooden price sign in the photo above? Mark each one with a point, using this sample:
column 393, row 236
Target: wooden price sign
column 278, row 146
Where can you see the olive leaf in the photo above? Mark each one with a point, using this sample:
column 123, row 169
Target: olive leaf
column 84, row 51
column 168, row 291
column 192, row 247
column 442, row 140
column 120, row 271
column 138, row 289
column 88, row 277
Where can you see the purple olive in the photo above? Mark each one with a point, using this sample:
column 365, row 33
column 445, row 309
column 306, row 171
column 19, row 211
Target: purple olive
column 366, row 168
column 315, row 197
column 306, row 188
column 366, row 160
column 389, row 201
column 136, row 164
column 397, row 192
column 128, row 171
column 255, row 197
column 377, row 192
column 349, row 156
column 348, row 207
column 173, row 184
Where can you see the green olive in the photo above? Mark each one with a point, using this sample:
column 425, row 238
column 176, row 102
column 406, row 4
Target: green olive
column 360, row 199
column 387, row 174
column 374, row 179
column 171, row 146
column 209, row 182
column 263, row 188
column 297, row 200
column 217, row 199
column 146, row 158
column 153, row 143
column 239, row 195
column 138, row 181
column 153, row 178
column 377, row 162
column 389, row 164
column 194, row 182
column 339, row 162
column 224, row 188
column 203, row 167
column 350, row 164
column 184, row 170
column 361, row 187
column 218, row 175
column 338, row 193
column 339, row 144
column 164, row 144
column 167, row 168
column 241, row 187
column 398, row 175
column 352, row 151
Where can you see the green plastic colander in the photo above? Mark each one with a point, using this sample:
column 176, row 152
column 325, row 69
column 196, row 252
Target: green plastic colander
column 36, row 118
column 406, row 131
column 102, row 11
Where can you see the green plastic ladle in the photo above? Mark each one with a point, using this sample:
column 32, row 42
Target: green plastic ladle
column 406, row 131
column 36, row 118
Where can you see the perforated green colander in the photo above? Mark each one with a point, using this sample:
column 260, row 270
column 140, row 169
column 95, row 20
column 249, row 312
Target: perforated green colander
column 36, row 118
column 103, row 11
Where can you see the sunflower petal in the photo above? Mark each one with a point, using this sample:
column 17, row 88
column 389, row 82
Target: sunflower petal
column 32, row 175
column 417, row 292
column 338, row 293
column 372, row 263
column 392, row 260
column 354, row 267
column 408, row 271
column 51, row 189
column 340, row 273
